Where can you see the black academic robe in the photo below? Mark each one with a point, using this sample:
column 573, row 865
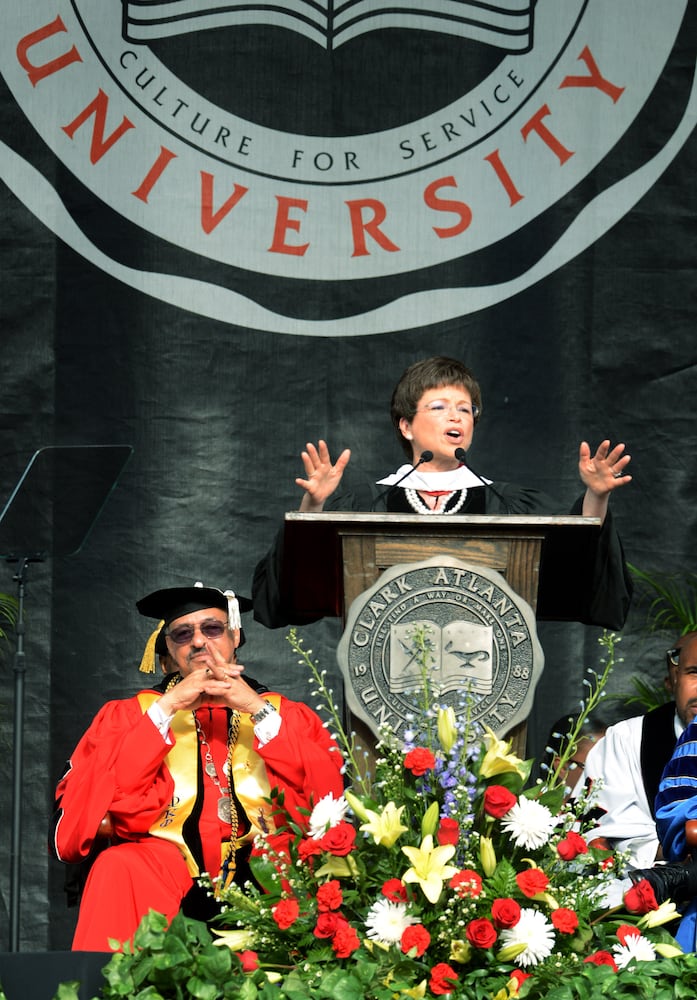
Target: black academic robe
column 602, row 589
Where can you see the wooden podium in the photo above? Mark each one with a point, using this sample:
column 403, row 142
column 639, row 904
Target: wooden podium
column 330, row 559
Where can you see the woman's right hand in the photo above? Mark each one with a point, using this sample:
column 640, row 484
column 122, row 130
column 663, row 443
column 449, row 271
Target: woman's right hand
column 322, row 478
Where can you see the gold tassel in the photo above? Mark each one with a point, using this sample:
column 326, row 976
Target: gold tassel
column 147, row 663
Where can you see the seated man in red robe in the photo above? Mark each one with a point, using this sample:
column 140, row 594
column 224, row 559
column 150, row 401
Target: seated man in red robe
column 183, row 773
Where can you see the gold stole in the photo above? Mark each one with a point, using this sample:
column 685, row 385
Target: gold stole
column 249, row 780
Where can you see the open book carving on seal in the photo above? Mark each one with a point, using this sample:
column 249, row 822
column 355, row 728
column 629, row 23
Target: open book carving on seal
column 461, row 657
column 504, row 24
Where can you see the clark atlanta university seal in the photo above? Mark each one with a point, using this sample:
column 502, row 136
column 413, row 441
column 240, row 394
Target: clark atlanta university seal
column 398, row 158
column 480, row 638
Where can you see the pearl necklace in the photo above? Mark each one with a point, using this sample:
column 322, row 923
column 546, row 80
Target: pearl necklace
column 420, row 507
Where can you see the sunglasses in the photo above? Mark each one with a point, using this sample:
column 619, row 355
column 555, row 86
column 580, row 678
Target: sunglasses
column 181, row 634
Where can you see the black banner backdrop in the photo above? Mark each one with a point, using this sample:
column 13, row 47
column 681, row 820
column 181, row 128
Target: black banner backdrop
column 224, row 239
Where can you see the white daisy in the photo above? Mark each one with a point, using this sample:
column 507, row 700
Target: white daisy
column 533, row 930
column 529, row 823
column 635, row 946
column 386, row 921
column 326, row 814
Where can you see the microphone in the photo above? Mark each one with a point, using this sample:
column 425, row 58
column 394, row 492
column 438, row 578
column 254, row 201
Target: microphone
column 426, row 456
column 461, row 456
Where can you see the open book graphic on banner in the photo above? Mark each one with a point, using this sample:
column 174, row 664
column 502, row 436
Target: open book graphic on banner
column 506, row 24
column 461, row 657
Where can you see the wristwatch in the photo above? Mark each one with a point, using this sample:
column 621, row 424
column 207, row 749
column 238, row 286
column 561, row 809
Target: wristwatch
column 262, row 713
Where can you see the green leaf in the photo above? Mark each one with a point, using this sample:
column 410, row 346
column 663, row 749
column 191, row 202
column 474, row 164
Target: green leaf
column 502, row 883
column 9, row 607
column 151, row 930
column 216, row 962
column 341, row 984
column 175, row 952
column 674, row 604
column 66, row 991
column 202, row 989
column 552, row 798
column 266, row 874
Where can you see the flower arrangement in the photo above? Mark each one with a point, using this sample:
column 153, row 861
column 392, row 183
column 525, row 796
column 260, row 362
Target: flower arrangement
column 446, row 873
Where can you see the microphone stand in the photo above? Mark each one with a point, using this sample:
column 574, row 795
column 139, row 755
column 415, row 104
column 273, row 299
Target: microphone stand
column 426, row 456
column 18, row 748
column 461, row 456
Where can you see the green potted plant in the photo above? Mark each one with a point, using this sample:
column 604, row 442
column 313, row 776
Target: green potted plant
column 670, row 603
column 8, row 613
column 672, row 600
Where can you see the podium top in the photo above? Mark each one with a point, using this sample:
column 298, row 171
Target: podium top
column 573, row 582
column 347, row 519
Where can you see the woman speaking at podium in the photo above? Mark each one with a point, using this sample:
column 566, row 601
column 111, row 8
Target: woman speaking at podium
column 435, row 407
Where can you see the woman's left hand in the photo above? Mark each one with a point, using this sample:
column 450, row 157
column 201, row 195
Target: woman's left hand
column 605, row 471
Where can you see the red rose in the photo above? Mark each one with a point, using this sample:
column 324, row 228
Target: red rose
column 285, row 912
column 395, row 890
column 466, row 883
column 571, row 846
column 498, row 801
column 532, row 881
column 564, row 920
column 339, row 840
column 329, row 896
column 640, row 898
column 419, row 760
column 601, row 958
column 309, row 848
column 627, row 931
column 505, row 912
column 345, row 941
column 415, row 936
column 327, row 925
column 443, row 979
column 249, row 960
column 481, row 933
column 448, row 831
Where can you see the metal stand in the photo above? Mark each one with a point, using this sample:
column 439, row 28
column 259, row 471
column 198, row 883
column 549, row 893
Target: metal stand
column 18, row 749
column 50, row 512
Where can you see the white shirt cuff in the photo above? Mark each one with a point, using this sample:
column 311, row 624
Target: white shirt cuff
column 267, row 728
column 161, row 721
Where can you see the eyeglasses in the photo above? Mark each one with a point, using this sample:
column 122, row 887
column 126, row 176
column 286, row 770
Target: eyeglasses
column 440, row 410
column 181, row 634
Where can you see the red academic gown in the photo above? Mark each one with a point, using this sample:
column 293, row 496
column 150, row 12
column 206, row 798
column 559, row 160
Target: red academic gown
column 120, row 767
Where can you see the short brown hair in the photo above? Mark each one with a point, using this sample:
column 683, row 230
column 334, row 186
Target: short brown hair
column 431, row 373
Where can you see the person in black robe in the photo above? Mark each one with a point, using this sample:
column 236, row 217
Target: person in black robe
column 435, row 407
